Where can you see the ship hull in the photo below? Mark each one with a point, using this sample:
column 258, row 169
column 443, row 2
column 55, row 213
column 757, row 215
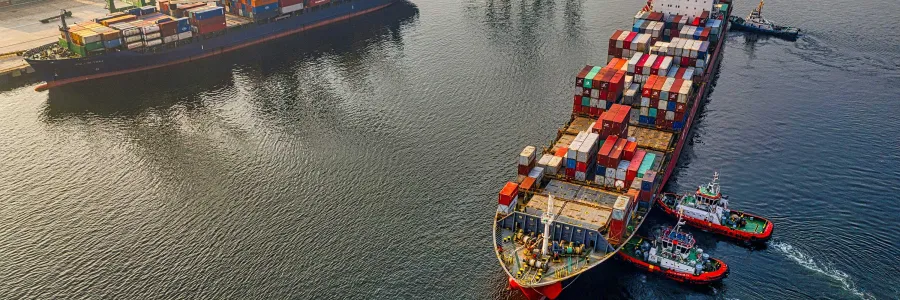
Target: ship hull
column 687, row 278
column 791, row 34
column 66, row 71
column 740, row 235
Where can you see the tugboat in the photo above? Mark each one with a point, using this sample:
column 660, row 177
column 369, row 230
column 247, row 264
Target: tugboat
column 756, row 23
column 707, row 209
column 674, row 255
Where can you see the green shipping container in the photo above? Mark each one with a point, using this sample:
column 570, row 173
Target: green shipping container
column 94, row 46
column 724, row 8
column 652, row 112
column 63, row 44
column 646, row 164
column 585, row 101
column 78, row 49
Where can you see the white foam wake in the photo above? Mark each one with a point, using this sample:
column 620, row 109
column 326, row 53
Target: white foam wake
column 808, row 262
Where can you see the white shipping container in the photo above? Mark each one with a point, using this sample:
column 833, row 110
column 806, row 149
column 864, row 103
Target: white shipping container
column 598, row 180
column 544, row 161
column 580, row 176
column 644, row 110
column 151, row 36
column 291, row 8
column 634, row 117
column 609, row 181
column 595, row 93
column 185, row 35
column 555, row 165
column 170, row 39
column 670, row 115
column 152, row 42
column 526, row 156
column 579, row 90
column 572, row 152
column 131, row 31
column 132, row 39
column 135, row 45
column 149, row 29
column 537, row 173
column 645, row 102
column 610, row 173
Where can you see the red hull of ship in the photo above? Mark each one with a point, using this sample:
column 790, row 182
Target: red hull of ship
column 720, row 229
column 705, row 278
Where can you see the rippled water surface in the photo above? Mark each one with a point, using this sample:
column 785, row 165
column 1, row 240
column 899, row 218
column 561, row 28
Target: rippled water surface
column 361, row 161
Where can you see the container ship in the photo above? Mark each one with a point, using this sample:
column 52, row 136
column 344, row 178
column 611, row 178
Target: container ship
column 578, row 200
column 179, row 31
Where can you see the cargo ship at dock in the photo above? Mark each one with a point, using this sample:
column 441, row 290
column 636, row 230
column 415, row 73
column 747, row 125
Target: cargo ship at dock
column 180, row 32
column 576, row 202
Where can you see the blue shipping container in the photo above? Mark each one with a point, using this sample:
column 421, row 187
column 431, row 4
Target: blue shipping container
column 112, row 43
column 570, row 163
column 146, row 10
column 671, row 105
column 209, row 13
column 184, row 25
column 263, row 9
column 643, row 120
column 134, row 11
column 677, row 125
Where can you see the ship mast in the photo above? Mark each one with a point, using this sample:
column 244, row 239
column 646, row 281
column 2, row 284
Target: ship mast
column 65, row 28
column 547, row 219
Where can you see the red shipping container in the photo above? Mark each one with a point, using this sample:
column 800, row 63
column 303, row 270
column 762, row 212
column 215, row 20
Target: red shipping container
column 630, row 148
column 628, row 40
column 570, row 173
column 679, row 116
column 616, row 154
column 613, row 38
column 523, row 170
column 679, row 108
column 639, row 67
column 635, row 165
column 527, row 184
column 168, row 28
column 600, row 81
column 594, row 111
column 648, row 86
column 669, row 124
column 211, row 27
column 617, row 85
column 580, row 167
column 561, row 151
column 660, row 121
column 508, row 193
column 603, row 153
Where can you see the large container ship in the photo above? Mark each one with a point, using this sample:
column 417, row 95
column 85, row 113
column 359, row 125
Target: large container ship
column 576, row 202
column 178, row 32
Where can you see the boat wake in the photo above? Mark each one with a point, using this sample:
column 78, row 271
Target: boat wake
column 808, row 262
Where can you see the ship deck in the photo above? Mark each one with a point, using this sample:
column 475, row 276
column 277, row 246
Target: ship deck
column 579, row 206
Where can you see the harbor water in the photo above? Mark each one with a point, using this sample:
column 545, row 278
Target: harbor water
column 362, row 160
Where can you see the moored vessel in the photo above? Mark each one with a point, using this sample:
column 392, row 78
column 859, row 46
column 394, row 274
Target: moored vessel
column 707, row 209
column 179, row 32
column 674, row 254
column 576, row 202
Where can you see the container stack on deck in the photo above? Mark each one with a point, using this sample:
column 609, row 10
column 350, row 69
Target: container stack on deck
column 647, row 84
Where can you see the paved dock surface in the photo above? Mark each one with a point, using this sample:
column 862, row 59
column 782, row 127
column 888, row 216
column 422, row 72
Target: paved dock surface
column 21, row 29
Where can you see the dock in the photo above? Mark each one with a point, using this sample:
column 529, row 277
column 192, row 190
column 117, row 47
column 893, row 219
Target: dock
column 21, row 29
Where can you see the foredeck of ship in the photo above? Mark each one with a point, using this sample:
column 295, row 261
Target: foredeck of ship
column 577, row 205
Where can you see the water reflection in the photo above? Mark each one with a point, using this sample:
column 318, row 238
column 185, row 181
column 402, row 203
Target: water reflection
column 344, row 44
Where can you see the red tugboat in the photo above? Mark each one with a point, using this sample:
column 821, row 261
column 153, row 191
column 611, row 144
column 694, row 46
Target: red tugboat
column 707, row 209
column 673, row 254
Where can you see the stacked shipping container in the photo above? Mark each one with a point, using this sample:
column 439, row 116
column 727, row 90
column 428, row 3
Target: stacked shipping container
column 596, row 89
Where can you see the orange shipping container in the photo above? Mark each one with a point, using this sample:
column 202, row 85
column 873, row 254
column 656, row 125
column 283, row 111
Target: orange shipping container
column 256, row 3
